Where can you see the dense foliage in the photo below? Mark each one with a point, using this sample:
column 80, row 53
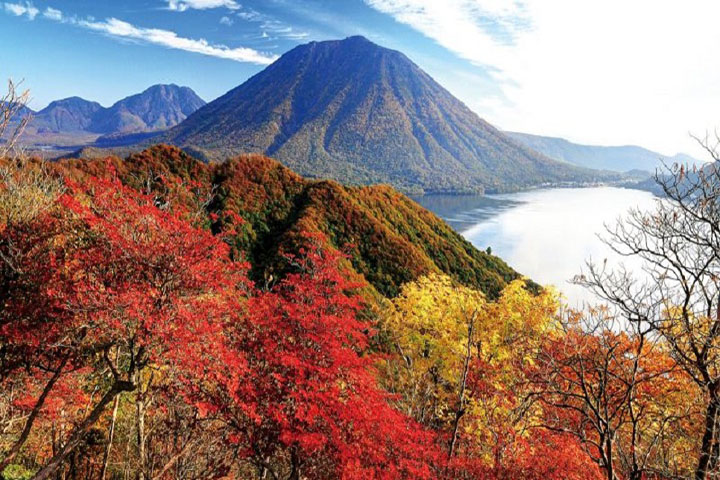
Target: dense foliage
column 161, row 318
column 390, row 239
column 106, row 295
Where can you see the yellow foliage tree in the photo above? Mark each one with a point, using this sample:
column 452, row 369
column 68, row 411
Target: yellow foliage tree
column 461, row 357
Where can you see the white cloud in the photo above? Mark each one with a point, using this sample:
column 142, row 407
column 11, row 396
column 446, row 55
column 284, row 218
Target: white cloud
column 182, row 5
column 607, row 72
column 19, row 9
column 121, row 29
column 250, row 16
column 282, row 30
column 226, row 21
column 53, row 14
column 166, row 38
column 275, row 27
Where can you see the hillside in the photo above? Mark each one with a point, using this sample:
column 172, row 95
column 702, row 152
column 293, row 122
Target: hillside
column 359, row 113
column 390, row 238
column 616, row 158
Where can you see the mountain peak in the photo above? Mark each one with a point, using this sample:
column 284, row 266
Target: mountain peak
column 348, row 48
column 360, row 113
column 353, row 39
column 158, row 107
column 166, row 88
column 358, row 42
column 358, row 39
column 73, row 101
column 68, row 114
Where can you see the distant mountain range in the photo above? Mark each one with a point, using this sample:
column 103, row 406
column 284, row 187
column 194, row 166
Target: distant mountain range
column 619, row 159
column 353, row 111
column 75, row 120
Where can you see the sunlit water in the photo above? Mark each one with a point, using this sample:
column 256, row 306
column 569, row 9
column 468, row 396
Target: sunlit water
column 547, row 234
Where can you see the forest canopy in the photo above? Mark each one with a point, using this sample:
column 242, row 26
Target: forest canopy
column 164, row 318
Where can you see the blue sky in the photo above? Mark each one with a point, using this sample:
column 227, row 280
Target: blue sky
column 611, row 72
column 84, row 48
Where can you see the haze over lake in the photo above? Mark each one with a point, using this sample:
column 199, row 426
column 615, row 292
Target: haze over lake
column 545, row 234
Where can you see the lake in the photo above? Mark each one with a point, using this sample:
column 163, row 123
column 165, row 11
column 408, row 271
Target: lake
column 545, row 234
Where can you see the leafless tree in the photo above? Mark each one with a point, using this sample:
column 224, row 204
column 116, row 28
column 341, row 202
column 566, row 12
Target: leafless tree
column 27, row 186
column 678, row 293
column 12, row 122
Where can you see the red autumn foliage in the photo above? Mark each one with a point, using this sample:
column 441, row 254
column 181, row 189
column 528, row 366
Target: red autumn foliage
column 107, row 281
column 125, row 285
column 317, row 410
column 112, row 284
column 106, row 266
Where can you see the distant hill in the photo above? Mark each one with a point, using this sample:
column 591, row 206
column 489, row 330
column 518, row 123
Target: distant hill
column 72, row 114
column 389, row 238
column 619, row 159
column 157, row 108
column 360, row 113
column 76, row 121
column 22, row 112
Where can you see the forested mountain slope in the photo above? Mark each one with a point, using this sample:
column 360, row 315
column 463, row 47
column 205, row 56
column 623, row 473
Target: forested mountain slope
column 390, row 239
column 359, row 113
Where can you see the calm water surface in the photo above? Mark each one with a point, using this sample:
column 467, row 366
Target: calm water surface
column 545, row 234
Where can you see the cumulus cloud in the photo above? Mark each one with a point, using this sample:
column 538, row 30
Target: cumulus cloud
column 22, row 9
column 226, row 21
column 609, row 72
column 183, row 5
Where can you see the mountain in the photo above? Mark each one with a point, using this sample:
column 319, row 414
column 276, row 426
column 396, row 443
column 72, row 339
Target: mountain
column 72, row 114
column 360, row 113
column 389, row 238
column 22, row 112
column 619, row 159
column 75, row 121
column 157, row 108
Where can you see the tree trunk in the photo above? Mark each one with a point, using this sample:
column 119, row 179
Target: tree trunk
column 78, row 434
column 111, row 433
column 294, row 465
column 708, row 440
column 140, row 424
column 33, row 415
column 610, row 467
column 173, row 460
column 463, row 385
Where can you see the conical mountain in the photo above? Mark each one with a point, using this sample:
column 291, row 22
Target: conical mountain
column 360, row 113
